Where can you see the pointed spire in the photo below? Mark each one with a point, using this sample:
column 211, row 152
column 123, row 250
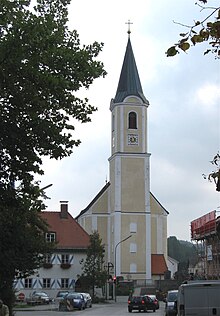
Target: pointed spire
column 129, row 82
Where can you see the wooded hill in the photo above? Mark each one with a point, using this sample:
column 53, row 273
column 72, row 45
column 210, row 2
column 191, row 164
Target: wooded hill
column 185, row 252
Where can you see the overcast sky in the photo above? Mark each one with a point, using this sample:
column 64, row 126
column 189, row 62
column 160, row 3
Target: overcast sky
column 183, row 116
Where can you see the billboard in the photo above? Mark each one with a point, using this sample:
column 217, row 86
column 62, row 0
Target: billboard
column 203, row 225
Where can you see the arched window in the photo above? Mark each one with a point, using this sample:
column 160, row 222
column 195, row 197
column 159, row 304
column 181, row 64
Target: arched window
column 132, row 120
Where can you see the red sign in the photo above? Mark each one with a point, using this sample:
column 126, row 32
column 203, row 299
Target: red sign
column 21, row 296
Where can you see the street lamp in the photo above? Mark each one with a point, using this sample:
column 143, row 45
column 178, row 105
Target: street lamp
column 116, row 261
column 46, row 187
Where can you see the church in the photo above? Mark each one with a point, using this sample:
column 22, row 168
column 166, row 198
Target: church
column 130, row 220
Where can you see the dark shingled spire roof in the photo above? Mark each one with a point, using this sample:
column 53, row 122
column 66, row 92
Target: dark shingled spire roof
column 129, row 82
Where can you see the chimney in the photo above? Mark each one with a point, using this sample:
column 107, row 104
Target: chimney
column 63, row 209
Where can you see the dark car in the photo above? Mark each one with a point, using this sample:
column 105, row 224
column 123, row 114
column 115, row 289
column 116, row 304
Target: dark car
column 72, row 301
column 171, row 306
column 155, row 300
column 141, row 303
column 88, row 299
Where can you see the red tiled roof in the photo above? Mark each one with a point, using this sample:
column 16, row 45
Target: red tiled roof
column 158, row 264
column 69, row 234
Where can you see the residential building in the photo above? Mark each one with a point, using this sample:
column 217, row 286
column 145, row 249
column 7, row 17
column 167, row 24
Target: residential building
column 130, row 220
column 172, row 265
column 61, row 269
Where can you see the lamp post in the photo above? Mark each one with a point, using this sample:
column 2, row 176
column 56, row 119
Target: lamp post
column 46, row 187
column 116, row 261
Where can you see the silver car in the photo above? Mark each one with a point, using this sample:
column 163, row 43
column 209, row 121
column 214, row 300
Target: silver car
column 88, row 299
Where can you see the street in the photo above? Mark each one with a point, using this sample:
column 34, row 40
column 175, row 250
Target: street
column 111, row 309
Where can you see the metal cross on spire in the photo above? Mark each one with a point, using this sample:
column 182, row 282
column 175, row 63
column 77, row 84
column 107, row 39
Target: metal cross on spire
column 129, row 29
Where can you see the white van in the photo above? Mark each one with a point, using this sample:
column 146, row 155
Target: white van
column 199, row 298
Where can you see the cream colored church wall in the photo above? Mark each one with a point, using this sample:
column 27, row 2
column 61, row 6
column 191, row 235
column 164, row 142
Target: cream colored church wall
column 102, row 227
column 112, row 181
column 165, row 236
column 159, row 227
column 85, row 222
column 138, row 238
column 121, row 124
column 153, row 235
column 126, row 257
column 133, row 186
column 155, row 206
column 101, row 205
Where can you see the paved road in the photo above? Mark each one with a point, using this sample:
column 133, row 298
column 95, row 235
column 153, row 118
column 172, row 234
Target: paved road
column 111, row 309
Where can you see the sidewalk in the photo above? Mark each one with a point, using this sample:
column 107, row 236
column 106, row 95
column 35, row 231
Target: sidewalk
column 54, row 307
column 49, row 307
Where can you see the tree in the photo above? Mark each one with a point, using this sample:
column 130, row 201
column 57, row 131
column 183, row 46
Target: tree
column 93, row 267
column 37, row 81
column 206, row 30
column 215, row 175
column 42, row 65
column 184, row 252
column 22, row 242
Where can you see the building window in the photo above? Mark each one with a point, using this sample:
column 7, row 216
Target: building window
column 132, row 120
column 133, row 247
column 28, row 283
column 47, row 261
column 133, row 268
column 65, row 258
column 50, row 237
column 64, row 283
column 133, row 227
column 46, row 283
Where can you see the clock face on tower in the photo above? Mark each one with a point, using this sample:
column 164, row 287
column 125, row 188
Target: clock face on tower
column 132, row 139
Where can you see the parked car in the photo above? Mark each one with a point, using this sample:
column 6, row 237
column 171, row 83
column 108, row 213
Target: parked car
column 60, row 296
column 71, row 301
column 155, row 300
column 88, row 299
column 171, row 303
column 141, row 303
column 38, row 298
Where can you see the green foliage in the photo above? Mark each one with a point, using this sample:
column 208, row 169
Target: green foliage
column 215, row 175
column 201, row 31
column 37, row 81
column 184, row 252
column 93, row 267
column 42, row 65
column 22, row 239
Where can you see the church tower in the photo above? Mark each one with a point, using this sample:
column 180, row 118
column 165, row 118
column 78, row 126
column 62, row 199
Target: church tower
column 130, row 220
column 129, row 173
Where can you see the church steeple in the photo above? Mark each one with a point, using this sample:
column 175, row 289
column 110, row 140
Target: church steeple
column 129, row 82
